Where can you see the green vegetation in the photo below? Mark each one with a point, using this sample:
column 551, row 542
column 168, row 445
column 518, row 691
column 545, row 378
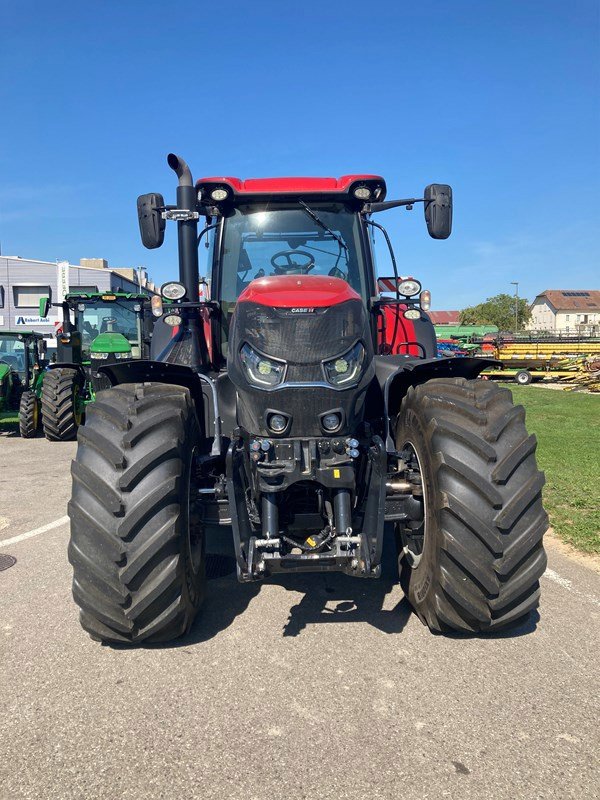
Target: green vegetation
column 498, row 310
column 567, row 427
column 9, row 421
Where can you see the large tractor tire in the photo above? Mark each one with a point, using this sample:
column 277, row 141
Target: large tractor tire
column 137, row 547
column 61, row 414
column 29, row 415
column 473, row 560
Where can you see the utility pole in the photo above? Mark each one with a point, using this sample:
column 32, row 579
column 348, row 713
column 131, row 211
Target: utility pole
column 516, row 285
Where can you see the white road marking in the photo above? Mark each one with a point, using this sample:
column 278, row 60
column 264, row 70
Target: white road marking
column 36, row 532
column 568, row 585
column 554, row 576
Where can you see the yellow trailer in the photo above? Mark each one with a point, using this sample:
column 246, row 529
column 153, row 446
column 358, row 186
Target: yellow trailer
column 525, row 376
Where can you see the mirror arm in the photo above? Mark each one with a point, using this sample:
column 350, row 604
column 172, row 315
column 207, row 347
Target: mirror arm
column 372, row 208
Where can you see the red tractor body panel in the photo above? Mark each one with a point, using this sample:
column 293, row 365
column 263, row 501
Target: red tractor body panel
column 297, row 185
column 298, row 291
column 395, row 332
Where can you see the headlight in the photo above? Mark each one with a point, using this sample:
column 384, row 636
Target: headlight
column 261, row 370
column 219, row 194
column 362, row 193
column 99, row 355
column 156, row 305
column 345, row 369
column 122, row 355
column 172, row 290
column 409, row 287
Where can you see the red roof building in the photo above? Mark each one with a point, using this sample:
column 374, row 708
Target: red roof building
column 568, row 310
column 444, row 317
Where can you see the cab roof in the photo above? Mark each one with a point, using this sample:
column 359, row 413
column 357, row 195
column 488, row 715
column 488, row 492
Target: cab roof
column 295, row 186
column 105, row 295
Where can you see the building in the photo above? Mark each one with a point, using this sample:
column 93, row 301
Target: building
column 24, row 281
column 444, row 317
column 566, row 311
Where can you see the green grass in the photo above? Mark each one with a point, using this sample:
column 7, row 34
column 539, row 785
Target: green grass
column 567, row 427
column 9, row 420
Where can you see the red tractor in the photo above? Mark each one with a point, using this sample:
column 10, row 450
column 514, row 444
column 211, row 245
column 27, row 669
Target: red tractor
column 307, row 414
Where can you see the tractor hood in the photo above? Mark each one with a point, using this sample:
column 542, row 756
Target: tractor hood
column 300, row 345
column 110, row 343
column 4, row 371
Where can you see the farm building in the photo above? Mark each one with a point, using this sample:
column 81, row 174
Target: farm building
column 567, row 311
column 445, row 317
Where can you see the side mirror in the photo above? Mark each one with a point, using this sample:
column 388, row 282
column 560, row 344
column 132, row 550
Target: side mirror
column 438, row 210
column 152, row 225
column 42, row 347
column 44, row 306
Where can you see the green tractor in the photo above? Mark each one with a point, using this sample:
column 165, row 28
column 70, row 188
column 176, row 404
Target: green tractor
column 98, row 328
column 22, row 370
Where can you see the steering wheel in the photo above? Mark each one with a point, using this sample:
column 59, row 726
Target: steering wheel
column 290, row 266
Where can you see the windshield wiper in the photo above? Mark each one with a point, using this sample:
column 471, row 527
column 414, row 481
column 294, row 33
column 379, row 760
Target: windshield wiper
column 321, row 224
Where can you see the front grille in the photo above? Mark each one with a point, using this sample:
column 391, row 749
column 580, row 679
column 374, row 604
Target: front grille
column 301, row 338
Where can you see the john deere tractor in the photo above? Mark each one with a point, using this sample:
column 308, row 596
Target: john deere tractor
column 22, row 365
column 97, row 328
column 305, row 411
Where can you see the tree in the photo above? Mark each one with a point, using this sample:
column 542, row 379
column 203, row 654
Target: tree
column 498, row 310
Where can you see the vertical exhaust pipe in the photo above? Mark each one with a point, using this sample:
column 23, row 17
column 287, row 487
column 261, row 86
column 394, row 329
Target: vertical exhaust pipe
column 187, row 230
column 187, row 239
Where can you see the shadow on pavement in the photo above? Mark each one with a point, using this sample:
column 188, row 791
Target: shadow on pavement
column 328, row 598
column 9, row 428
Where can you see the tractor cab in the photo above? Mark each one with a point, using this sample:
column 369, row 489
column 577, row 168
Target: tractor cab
column 98, row 328
column 317, row 227
column 101, row 328
column 22, row 355
column 23, row 361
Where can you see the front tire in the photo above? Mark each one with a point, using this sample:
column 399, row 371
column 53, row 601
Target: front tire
column 475, row 564
column 29, row 415
column 136, row 547
column 61, row 404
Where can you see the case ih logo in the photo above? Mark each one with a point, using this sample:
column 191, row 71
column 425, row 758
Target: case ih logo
column 302, row 310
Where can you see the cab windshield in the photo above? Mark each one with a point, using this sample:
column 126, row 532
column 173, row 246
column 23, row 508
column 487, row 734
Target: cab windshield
column 117, row 316
column 260, row 241
column 12, row 352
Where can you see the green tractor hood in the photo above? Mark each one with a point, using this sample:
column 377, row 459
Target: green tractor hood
column 4, row 371
column 110, row 343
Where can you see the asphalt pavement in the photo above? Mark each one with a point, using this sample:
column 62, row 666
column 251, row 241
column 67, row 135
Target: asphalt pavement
column 316, row 686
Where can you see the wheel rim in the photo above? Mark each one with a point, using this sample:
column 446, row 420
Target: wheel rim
column 194, row 529
column 414, row 531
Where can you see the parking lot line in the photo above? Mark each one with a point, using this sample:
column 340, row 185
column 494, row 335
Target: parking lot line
column 568, row 585
column 35, row 532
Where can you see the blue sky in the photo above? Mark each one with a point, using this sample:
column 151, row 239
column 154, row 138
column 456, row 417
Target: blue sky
column 500, row 99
